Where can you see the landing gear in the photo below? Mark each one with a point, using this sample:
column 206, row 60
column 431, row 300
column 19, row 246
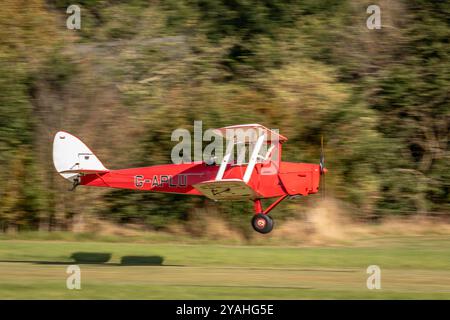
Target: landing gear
column 262, row 223
column 75, row 183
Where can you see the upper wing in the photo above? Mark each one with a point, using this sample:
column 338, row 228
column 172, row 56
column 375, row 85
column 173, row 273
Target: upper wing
column 270, row 135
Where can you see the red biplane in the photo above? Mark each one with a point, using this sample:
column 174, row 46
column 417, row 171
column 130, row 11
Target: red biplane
column 263, row 176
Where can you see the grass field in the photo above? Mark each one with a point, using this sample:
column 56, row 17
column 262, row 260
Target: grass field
column 411, row 267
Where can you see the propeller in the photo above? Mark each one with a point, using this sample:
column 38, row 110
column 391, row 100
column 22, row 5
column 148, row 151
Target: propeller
column 323, row 170
column 322, row 157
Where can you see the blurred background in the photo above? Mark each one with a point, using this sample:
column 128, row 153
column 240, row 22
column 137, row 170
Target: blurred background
column 137, row 70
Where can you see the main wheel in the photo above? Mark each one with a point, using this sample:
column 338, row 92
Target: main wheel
column 262, row 223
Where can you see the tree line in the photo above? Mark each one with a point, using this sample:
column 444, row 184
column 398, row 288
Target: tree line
column 139, row 69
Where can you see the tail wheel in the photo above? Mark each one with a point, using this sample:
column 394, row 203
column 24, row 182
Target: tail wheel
column 262, row 223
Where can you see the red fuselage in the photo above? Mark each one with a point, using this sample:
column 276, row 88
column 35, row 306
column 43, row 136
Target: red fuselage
column 289, row 179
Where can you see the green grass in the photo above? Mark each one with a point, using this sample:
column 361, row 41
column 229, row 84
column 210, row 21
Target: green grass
column 411, row 267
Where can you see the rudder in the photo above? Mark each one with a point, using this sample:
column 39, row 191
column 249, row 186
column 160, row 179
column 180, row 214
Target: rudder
column 72, row 157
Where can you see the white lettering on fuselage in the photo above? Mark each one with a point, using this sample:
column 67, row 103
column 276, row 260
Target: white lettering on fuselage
column 178, row 181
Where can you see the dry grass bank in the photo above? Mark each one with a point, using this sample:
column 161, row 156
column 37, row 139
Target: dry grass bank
column 327, row 223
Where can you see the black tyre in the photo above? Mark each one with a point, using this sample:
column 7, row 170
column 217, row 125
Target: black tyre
column 262, row 223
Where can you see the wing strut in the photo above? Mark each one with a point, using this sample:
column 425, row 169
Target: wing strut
column 254, row 158
column 226, row 160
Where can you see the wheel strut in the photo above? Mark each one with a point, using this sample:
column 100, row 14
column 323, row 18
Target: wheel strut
column 259, row 209
column 261, row 221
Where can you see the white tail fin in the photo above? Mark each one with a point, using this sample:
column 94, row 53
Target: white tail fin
column 72, row 157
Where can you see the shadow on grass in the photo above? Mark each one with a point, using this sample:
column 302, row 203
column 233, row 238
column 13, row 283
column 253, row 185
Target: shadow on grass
column 142, row 261
column 100, row 258
column 90, row 257
column 39, row 262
